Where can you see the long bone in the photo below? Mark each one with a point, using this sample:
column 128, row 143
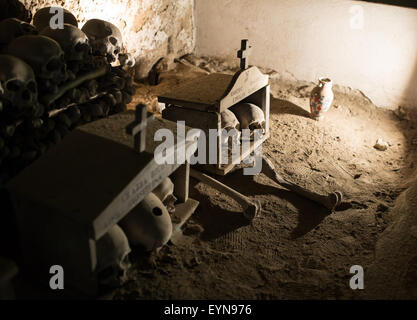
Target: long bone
column 330, row 201
column 251, row 208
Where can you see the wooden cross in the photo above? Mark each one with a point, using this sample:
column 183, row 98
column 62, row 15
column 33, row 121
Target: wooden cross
column 243, row 54
column 137, row 128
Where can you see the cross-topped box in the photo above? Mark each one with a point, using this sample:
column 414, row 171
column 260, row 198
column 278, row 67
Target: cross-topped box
column 77, row 191
column 137, row 128
column 200, row 101
column 244, row 53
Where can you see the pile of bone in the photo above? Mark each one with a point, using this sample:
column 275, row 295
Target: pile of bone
column 54, row 79
column 148, row 226
column 239, row 117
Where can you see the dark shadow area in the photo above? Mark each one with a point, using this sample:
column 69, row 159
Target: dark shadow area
column 280, row 106
column 310, row 215
column 218, row 222
column 9, row 240
column 400, row 3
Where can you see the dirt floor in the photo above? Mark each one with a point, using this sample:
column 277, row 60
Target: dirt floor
column 295, row 249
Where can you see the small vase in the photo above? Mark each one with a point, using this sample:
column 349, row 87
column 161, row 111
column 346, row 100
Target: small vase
column 321, row 98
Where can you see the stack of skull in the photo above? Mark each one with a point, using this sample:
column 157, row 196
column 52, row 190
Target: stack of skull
column 36, row 63
column 148, row 226
column 40, row 98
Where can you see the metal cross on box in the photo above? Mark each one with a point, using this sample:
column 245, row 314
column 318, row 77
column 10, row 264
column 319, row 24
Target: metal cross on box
column 244, row 53
column 137, row 128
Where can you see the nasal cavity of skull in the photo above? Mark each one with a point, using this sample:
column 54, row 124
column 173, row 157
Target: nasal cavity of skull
column 32, row 87
column 26, row 95
column 157, row 211
column 113, row 40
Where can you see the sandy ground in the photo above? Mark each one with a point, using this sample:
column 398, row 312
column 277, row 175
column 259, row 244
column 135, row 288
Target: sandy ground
column 295, row 249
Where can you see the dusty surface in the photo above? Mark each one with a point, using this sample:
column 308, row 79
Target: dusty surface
column 295, row 249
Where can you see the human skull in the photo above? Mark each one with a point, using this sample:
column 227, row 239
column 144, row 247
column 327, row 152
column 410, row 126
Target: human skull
column 148, row 224
column 17, row 84
column 112, row 257
column 43, row 54
column 165, row 193
column 229, row 122
column 73, row 42
column 250, row 117
column 105, row 39
column 12, row 28
column 127, row 60
column 42, row 17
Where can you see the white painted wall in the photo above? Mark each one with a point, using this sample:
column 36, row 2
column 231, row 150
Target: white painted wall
column 305, row 39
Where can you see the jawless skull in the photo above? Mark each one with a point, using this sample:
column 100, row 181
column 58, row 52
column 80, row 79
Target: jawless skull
column 148, row 224
column 105, row 39
column 43, row 54
column 165, row 193
column 112, row 257
column 73, row 42
column 42, row 18
column 17, row 84
column 13, row 28
column 250, row 117
column 231, row 124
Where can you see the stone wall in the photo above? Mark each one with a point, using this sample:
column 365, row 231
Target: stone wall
column 151, row 28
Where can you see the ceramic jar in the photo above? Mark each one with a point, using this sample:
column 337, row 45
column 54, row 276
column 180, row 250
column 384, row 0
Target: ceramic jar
column 321, row 98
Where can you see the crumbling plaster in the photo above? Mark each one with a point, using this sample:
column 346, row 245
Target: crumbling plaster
column 151, row 28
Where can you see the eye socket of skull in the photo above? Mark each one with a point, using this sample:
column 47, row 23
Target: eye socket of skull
column 113, row 40
column 27, row 28
column 53, row 65
column 80, row 47
column 13, row 85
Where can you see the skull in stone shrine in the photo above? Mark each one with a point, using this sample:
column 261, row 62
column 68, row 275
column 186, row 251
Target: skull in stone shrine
column 148, row 224
column 17, row 84
column 43, row 54
column 113, row 257
column 105, row 39
column 42, row 18
column 73, row 42
column 250, row 117
column 165, row 192
column 230, row 122
column 13, row 28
